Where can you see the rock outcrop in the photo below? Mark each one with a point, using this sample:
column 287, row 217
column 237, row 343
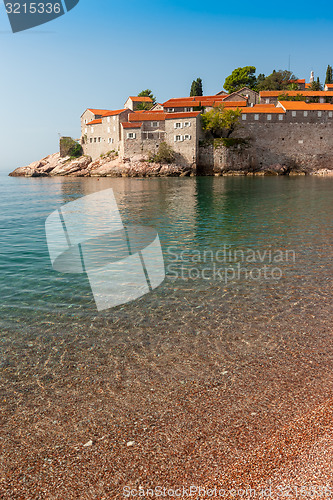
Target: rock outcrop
column 112, row 166
column 107, row 166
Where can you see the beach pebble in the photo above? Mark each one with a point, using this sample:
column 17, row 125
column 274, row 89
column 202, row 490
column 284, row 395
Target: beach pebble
column 130, row 443
column 90, row 443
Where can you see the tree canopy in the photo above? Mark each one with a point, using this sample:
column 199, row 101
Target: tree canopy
column 278, row 80
column 196, row 88
column 221, row 122
column 146, row 105
column 241, row 77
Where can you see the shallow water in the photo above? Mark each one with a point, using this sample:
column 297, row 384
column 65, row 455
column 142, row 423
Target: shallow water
column 262, row 342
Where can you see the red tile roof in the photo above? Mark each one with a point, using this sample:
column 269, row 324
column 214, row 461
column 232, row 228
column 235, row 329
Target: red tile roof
column 294, row 93
column 114, row 113
column 191, row 114
column 140, row 99
column 182, row 102
column 131, row 125
column 95, row 122
column 298, row 81
column 263, row 108
column 306, row 106
column 329, row 85
column 232, row 104
column 98, row 112
column 147, row 116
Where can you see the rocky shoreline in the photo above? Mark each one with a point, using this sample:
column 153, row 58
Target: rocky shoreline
column 113, row 166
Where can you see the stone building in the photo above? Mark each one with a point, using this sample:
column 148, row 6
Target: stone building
column 134, row 102
column 251, row 96
column 132, row 132
column 144, row 132
column 103, row 134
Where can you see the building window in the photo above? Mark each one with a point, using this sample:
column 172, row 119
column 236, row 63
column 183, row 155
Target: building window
column 188, row 110
column 178, row 125
column 187, row 124
column 256, row 117
column 114, row 129
column 110, row 140
column 305, row 113
column 293, row 113
column 243, row 116
column 109, row 130
column 92, row 130
column 99, row 139
column 95, row 139
column 171, row 110
column 85, row 121
column 269, row 117
column 280, row 118
column 114, row 118
column 187, row 137
column 154, row 124
column 330, row 114
column 319, row 114
column 90, row 140
column 267, row 101
column 85, row 130
column 178, row 138
column 108, row 119
column 131, row 135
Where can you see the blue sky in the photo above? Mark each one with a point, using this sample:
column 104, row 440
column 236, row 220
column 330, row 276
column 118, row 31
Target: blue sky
column 102, row 51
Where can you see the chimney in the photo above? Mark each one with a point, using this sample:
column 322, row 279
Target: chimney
column 312, row 77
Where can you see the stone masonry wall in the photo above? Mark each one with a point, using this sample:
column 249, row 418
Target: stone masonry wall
column 303, row 147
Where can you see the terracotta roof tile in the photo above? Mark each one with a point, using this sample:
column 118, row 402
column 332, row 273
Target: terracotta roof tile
column 306, row 106
column 147, row 116
column 181, row 102
column 173, row 116
column 98, row 112
column 132, row 125
column 263, row 108
column 140, row 99
column 232, row 104
column 294, row 93
column 114, row 113
column 95, row 122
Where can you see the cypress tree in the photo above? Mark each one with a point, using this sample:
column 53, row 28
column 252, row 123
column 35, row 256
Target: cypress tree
column 329, row 74
column 196, row 88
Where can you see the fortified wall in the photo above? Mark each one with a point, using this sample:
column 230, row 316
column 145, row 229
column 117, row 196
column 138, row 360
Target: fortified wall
column 300, row 147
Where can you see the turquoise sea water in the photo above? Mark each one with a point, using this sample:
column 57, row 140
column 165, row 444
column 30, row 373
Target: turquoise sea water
column 190, row 215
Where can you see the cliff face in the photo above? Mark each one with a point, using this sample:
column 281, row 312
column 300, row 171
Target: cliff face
column 109, row 166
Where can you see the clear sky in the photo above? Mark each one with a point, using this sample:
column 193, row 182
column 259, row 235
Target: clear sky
column 104, row 50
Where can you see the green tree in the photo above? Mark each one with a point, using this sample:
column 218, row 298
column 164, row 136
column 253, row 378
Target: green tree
column 278, row 80
column 221, row 122
column 316, row 85
column 329, row 75
column 146, row 105
column 196, row 88
column 241, row 77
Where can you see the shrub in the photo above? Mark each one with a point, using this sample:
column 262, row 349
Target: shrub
column 165, row 154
